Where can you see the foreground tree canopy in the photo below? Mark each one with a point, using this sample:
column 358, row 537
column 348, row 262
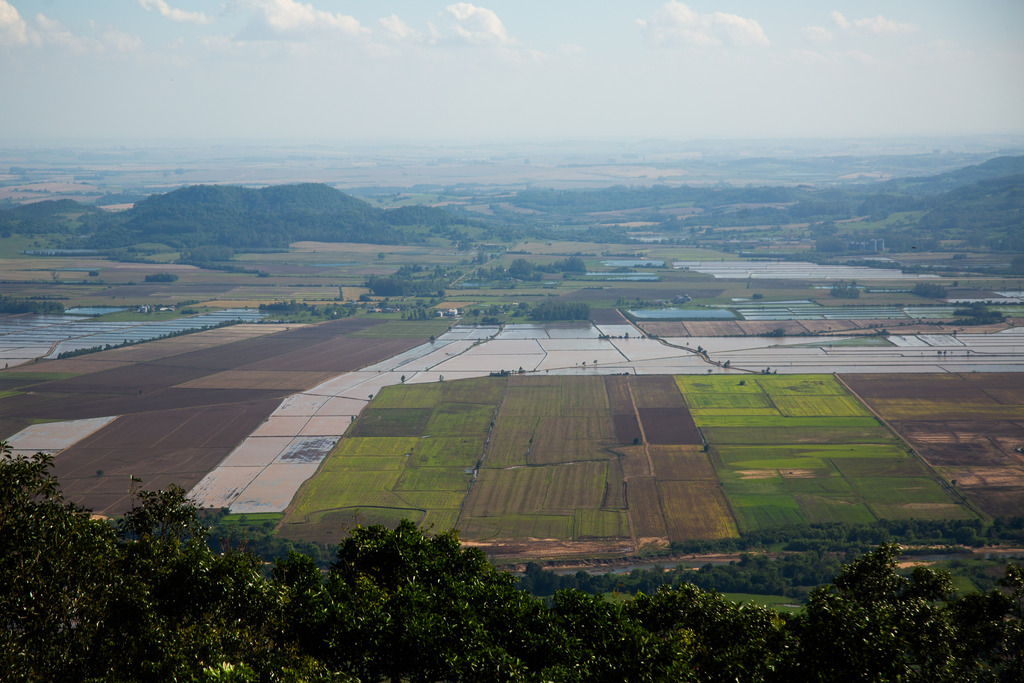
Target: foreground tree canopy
column 146, row 599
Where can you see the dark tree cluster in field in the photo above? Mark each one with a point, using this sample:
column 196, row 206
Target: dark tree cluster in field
column 561, row 310
column 307, row 310
column 410, row 281
column 521, row 269
column 11, row 304
column 842, row 289
column 977, row 314
column 162, row 277
column 929, row 290
column 146, row 599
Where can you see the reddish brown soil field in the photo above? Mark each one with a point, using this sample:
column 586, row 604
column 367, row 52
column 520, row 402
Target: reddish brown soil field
column 669, row 426
column 619, row 400
column 656, row 391
column 947, row 444
column 627, row 431
column 150, row 386
column 162, row 448
column 172, row 434
column 335, row 355
column 54, row 406
column 943, row 417
column 606, row 316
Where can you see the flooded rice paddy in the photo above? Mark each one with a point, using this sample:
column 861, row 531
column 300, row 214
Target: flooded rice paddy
column 23, row 338
column 793, row 270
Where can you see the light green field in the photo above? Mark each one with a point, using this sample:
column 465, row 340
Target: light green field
column 454, row 451
column 820, row 457
column 408, row 396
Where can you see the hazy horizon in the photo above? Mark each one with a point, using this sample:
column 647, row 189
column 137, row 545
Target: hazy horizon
column 401, row 72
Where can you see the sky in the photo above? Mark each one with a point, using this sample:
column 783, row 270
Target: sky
column 508, row 70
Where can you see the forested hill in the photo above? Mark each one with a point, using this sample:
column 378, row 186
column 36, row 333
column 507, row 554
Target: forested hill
column 993, row 169
column 273, row 216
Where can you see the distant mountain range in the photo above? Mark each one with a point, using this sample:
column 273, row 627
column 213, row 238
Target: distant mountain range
column 979, row 206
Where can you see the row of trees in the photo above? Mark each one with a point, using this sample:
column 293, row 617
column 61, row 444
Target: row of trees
column 11, row 304
column 146, row 599
column 521, row 269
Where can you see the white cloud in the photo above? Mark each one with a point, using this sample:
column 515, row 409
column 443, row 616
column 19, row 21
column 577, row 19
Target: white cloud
column 477, row 25
column 740, row 31
column 817, row 34
column 396, row 29
column 119, row 41
column 178, row 15
column 840, row 20
column 873, row 25
column 55, row 33
column 288, row 18
column 13, row 29
column 675, row 23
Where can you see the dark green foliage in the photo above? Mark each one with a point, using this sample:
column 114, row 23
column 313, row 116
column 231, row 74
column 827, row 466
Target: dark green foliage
column 1000, row 167
column 561, row 310
column 43, row 218
column 304, row 310
column 147, row 600
column 10, row 304
column 270, row 217
column 978, row 314
column 845, row 290
column 929, row 290
column 162, row 277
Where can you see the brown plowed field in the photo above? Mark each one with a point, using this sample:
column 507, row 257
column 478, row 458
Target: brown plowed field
column 645, row 507
column 171, row 446
column 967, row 425
column 656, row 391
column 77, row 406
column 606, row 316
column 617, row 388
column 669, row 426
column 682, row 463
column 627, row 430
column 949, row 443
column 172, row 434
column 317, row 349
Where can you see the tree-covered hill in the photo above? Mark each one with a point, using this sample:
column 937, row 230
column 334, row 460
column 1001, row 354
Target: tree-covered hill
column 47, row 217
column 1000, row 167
column 234, row 217
column 274, row 216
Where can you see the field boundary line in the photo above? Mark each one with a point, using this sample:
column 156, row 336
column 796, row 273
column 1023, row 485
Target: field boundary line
column 487, row 443
column 913, row 451
column 643, row 335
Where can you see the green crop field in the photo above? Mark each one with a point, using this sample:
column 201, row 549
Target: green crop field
column 454, row 451
column 459, row 419
column 391, row 422
column 408, row 396
column 524, row 459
